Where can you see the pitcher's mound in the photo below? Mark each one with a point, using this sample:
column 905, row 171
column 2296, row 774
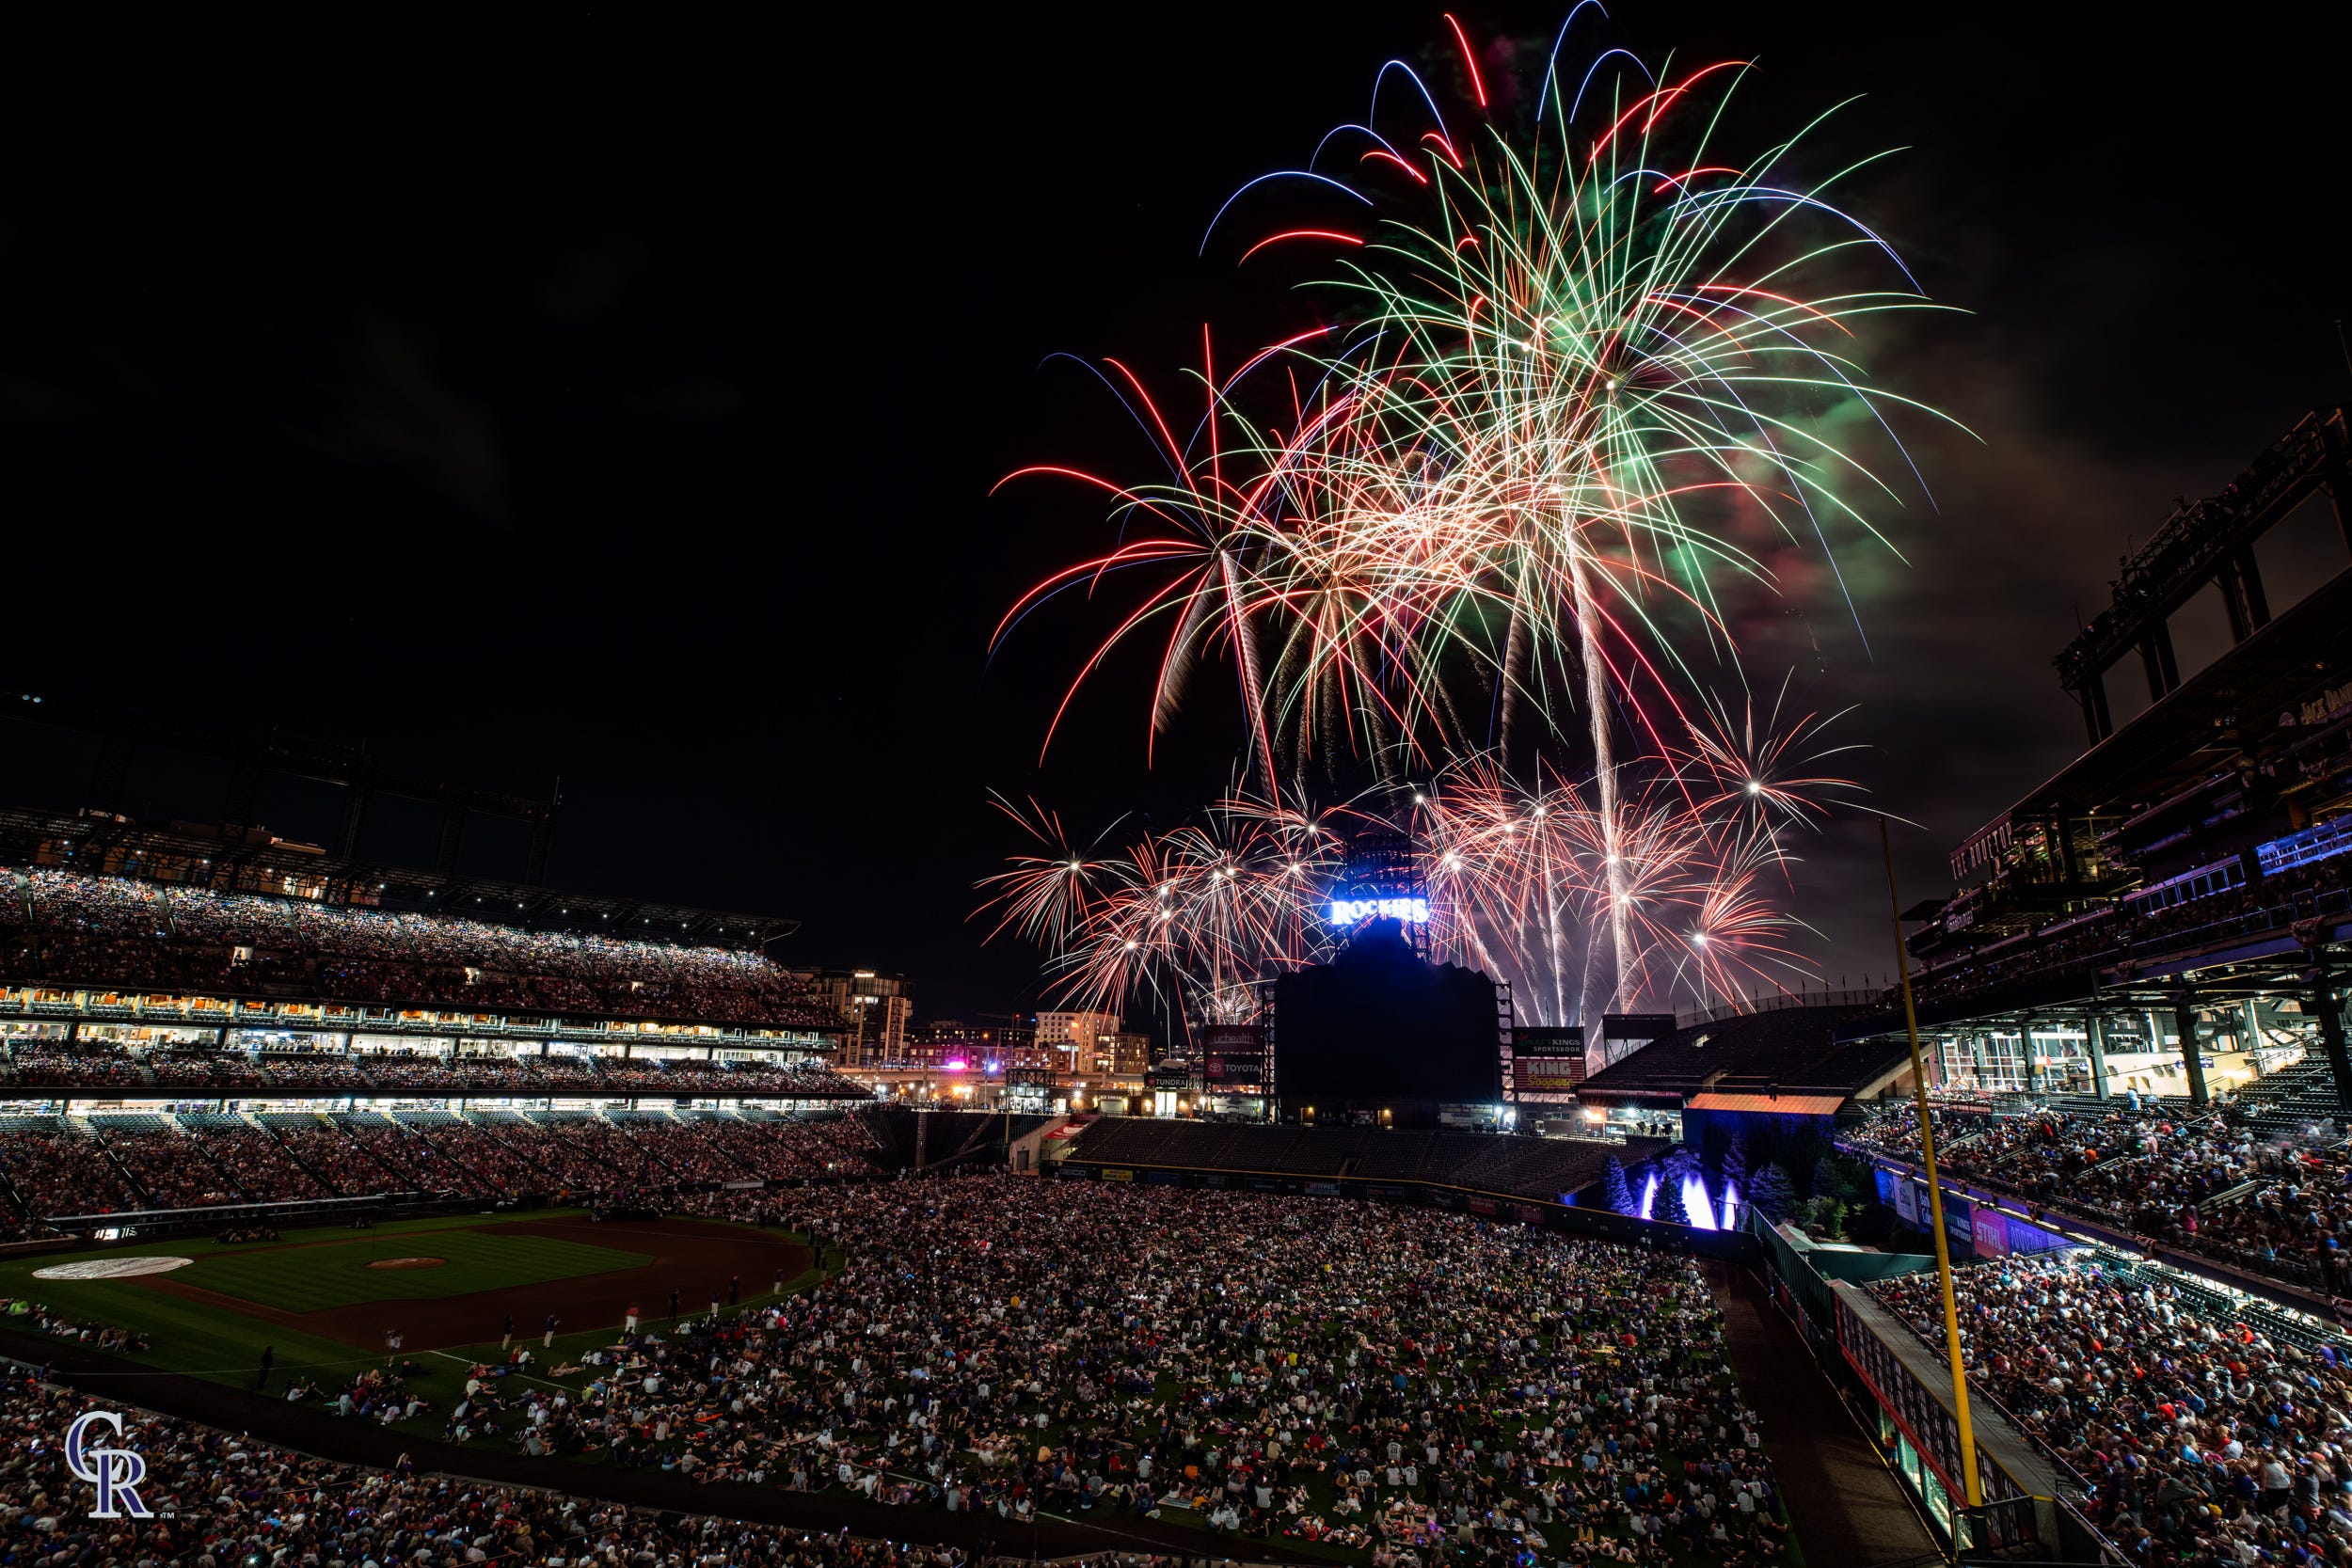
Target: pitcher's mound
column 407, row 1263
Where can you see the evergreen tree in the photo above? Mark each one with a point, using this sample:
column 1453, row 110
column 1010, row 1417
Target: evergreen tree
column 1668, row 1208
column 1734, row 1165
column 1775, row 1195
column 1829, row 1179
column 1616, row 1195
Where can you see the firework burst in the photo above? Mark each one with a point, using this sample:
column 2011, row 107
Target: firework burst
column 1579, row 375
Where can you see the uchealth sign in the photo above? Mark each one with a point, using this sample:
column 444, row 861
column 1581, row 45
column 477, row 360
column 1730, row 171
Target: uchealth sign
column 116, row 1472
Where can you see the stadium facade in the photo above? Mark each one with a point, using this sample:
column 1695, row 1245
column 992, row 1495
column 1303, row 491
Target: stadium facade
column 2169, row 914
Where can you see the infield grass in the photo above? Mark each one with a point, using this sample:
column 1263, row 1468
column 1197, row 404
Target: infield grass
column 217, row 1342
column 343, row 1273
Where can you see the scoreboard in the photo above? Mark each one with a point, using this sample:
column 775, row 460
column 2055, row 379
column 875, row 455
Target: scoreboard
column 1547, row 1064
column 1234, row 1059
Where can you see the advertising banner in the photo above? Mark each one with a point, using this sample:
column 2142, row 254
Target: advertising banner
column 1548, row 1075
column 1960, row 1228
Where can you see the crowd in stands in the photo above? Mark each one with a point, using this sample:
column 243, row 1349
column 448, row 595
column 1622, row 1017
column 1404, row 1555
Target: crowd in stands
column 348, row 1165
column 261, row 1164
column 412, row 1161
column 2281, row 902
column 221, row 1497
column 170, row 1169
column 97, row 1065
column 147, row 1162
column 52, row 1171
column 801, row 1150
column 313, row 1070
column 2200, row 1439
column 2278, row 1204
column 204, row 1069
column 34, row 1061
column 427, row 1071
column 121, row 931
column 1281, row 1369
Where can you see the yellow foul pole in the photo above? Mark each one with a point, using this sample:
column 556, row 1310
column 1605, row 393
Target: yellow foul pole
column 1935, row 1194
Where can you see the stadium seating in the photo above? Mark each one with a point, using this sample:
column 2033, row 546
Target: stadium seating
column 1772, row 1051
column 32, row 1061
column 2271, row 907
column 1509, row 1164
column 62, row 927
column 2183, row 1415
column 188, row 1465
column 2239, row 1190
column 118, row 1163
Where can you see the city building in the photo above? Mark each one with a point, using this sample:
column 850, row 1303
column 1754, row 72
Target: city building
column 877, row 1009
column 1069, row 1040
column 1126, row 1052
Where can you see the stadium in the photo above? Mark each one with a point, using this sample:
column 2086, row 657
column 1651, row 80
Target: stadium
column 1354, row 808
column 547, row 1195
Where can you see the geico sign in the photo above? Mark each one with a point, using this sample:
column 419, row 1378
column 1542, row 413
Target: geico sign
column 116, row 1472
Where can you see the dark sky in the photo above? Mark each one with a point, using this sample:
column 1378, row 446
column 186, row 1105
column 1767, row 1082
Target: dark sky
column 619, row 400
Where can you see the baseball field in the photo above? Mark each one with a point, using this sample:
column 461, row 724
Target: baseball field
column 320, row 1304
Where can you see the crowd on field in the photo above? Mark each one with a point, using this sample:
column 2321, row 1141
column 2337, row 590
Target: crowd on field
column 1279, row 1369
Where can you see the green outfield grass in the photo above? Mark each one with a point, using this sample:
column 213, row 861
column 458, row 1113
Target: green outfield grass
column 308, row 1279
column 221, row 1344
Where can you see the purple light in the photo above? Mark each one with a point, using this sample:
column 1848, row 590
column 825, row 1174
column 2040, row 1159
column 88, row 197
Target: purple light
column 954, row 1065
column 1695, row 1204
column 1650, row 1193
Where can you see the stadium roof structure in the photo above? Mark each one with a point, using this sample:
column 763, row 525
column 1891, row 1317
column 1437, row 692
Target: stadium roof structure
column 105, row 846
column 1771, row 1104
column 361, row 773
column 2211, row 716
column 2206, row 542
column 1802, row 1056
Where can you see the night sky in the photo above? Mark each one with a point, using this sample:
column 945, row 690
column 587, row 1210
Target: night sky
column 620, row 400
